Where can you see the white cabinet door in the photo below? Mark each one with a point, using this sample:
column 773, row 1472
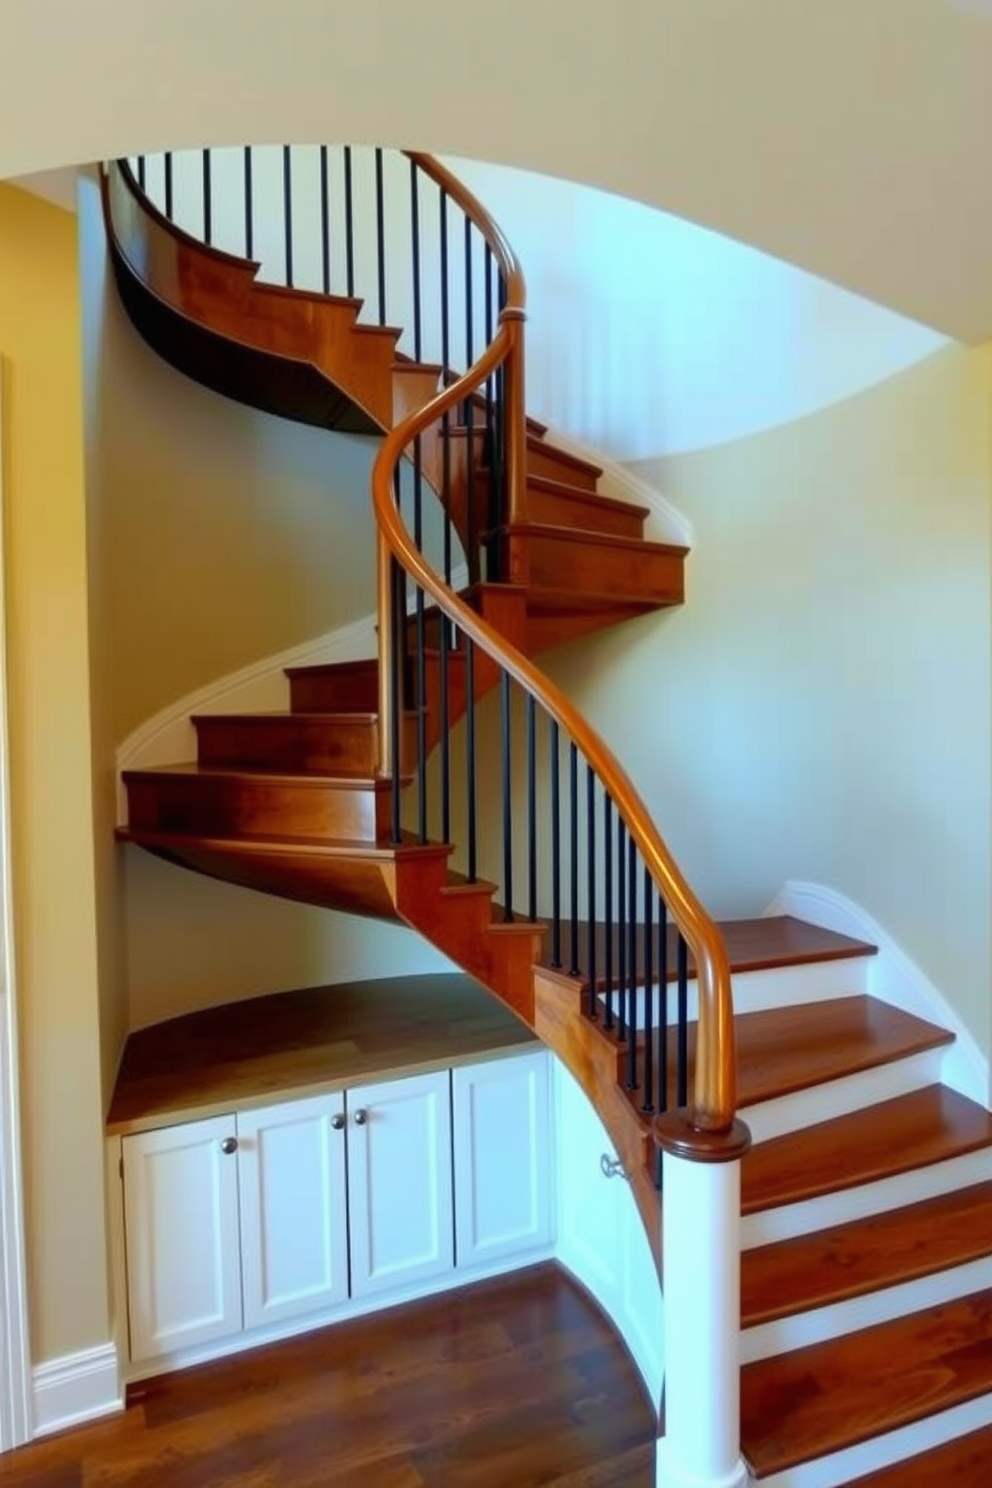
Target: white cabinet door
column 294, row 1227
column 503, row 1167
column 181, row 1216
column 399, row 1183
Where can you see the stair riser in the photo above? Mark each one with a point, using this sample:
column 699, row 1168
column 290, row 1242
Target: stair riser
column 297, row 744
column 872, row 1456
column 332, row 691
column 848, row 1205
column 774, row 1118
column 787, row 1334
column 544, row 459
column 212, row 808
column 558, row 509
column 538, row 559
column 777, row 987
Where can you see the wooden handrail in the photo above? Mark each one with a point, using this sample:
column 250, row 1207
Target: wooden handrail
column 513, row 274
column 714, row 1102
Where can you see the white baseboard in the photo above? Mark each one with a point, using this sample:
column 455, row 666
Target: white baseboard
column 75, row 1388
column 893, row 977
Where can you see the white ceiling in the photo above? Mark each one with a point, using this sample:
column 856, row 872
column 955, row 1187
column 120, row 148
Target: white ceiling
column 851, row 137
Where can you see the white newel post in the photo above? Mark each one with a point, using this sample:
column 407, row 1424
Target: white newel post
column 701, row 1267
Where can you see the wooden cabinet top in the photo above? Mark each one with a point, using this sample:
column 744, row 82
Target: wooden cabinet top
column 299, row 1043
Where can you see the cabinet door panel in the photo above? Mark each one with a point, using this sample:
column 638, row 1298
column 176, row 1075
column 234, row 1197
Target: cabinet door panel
column 503, row 1168
column 181, row 1216
column 294, row 1234
column 399, row 1183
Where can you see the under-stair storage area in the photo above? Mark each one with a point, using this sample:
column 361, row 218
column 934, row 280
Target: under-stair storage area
column 273, row 1215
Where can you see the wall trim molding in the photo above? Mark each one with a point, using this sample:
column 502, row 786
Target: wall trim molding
column 893, row 977
column 666, row 523
column 15, row 1354
column 75, row 1388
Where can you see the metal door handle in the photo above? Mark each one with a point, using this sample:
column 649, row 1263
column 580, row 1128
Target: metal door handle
column 229, row 1145
column 337, row 1121
column 361, row 1116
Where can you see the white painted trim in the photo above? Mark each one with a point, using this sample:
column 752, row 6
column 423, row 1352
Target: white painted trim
column 76, row 1388
column 665, row 524
column 893, row 977
column 15, row 1398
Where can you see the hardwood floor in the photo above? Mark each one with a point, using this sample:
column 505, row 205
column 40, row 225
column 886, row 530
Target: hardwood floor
column 505, row 1384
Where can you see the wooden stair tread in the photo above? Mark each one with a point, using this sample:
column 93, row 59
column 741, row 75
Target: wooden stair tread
column 850, row 1260
column 762, row 944
column 261, row 843
column 784, row 1050
column 281, row 715
column 895, row 1136
column 587, row 498
column 964, row 1462
column 802, row 1405
column 362, row 666
column 190, row 770
column 583, row 536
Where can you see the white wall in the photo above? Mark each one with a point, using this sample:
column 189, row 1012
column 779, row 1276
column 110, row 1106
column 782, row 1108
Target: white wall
column 820, row 707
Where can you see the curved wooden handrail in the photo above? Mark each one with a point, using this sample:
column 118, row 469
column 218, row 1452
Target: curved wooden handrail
column 516, row 290
column 714, row 1103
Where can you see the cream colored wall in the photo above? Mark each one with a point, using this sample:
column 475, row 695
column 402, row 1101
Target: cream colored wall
column 51, row 788
column 820, row 707
column 844, row 136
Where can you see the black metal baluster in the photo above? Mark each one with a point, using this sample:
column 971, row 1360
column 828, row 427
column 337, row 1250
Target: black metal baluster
column 249, row 204
column 492, row 547
column 287, row 208
column 608, row 906
column 325, row 221
column 648, row 1102
column 380, row 233
column 445, row 742
column 469, row 306
column 445, row 417
column 470, row 753
column 208, row 200
column 168, row 184
column 632, row 966
column 349, row 223
column 573, row 852
column 418, row 537
column 396, row 687
column 662, row 1004
column 141, row 171
column 531, row 807
column 507, row 802
column 415, row 232
column 591, row 889
column 621, row 927
column 555, row 849
column 683, row 966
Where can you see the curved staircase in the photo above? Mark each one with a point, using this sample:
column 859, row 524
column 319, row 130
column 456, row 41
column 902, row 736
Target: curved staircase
column 866, row 1302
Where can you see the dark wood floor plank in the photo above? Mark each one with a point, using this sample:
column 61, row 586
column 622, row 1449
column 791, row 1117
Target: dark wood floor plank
column 821, row 1399
column 518, row 1380
column 910, row 1131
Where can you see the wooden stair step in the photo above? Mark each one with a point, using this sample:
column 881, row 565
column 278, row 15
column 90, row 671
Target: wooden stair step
column 217, row 802
column 542, row 458
column 319, row 743
column 329, row 687
column 802, row 1405
column 911, row 1131
column 851, row 1260
column 964, row 1462
column 563, row 557
column 784, row 1050
column 765, row 943
column 558, row 504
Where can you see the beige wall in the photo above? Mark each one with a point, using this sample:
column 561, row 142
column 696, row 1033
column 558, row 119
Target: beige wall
column 820, row 707
column 225, row 534
column 51, row 795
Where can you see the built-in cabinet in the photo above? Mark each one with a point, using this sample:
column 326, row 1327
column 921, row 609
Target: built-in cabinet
column 266, row 1217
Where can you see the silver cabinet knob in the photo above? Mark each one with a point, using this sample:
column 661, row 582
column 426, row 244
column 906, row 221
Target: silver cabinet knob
column 611, row 1167
column 337, row 1121
column 361, row 1116
column 229, row 1145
